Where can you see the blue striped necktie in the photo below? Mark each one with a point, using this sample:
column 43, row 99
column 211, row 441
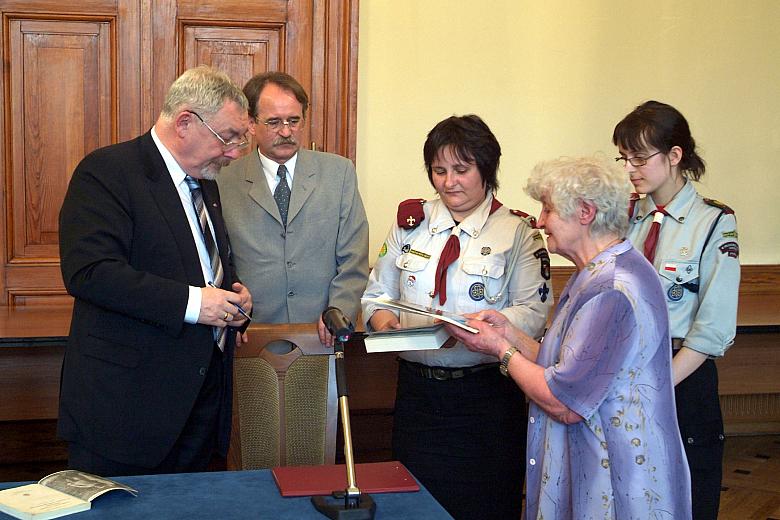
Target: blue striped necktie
column 211, row 247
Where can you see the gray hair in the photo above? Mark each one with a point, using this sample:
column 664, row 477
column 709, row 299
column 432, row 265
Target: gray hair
column 203, row 90
column 564, row 182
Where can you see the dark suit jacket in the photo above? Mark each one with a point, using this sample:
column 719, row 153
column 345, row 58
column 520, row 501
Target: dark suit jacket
column 132, row 367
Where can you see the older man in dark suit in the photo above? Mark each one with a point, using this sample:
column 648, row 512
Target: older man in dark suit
column 146, row 378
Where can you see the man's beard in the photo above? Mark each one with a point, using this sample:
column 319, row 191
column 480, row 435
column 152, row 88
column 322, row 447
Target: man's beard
column 212, row 169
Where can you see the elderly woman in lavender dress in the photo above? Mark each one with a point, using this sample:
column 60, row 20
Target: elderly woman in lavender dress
column 603, row 439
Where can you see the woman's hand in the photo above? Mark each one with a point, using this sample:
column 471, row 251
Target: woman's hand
column 489, row 340
column 384, row 320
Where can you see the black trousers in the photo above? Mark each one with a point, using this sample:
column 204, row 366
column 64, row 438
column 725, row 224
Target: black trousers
column 193, row 449
column 464, row 439
column 701, row 428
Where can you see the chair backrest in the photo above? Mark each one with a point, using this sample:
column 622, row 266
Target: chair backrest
column 285, row 406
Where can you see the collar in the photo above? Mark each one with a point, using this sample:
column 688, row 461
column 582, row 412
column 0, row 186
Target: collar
column 582, row 278
column 441, row 219
column 270, row 167
column 174, row 169
column 678, row 208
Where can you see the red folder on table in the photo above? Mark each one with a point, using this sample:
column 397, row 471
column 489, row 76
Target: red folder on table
column 372, row 477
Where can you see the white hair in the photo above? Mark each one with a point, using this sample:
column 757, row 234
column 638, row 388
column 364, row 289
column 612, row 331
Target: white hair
column 564, row 183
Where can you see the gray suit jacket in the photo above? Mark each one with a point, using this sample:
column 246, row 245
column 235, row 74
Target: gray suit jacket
column 322, row 257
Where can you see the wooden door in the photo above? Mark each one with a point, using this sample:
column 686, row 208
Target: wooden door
column 81, row 75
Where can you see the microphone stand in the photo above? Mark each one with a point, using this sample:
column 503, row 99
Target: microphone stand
column 349, row 504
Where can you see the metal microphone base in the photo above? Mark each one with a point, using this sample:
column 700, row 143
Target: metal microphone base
column 339, row 507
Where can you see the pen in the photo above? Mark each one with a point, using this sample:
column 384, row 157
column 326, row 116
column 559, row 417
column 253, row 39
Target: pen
column 240, row 310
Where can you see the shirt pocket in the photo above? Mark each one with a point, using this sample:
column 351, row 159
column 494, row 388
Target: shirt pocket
column 682, row 278
column 485, row 279
column 414, row 279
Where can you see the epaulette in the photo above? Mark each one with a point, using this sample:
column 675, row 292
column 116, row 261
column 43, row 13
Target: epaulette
column 525, row 216
column 410, row 213
column 718, row 204
column 633, row 199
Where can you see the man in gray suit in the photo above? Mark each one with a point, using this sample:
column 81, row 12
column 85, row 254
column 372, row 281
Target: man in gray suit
column 295, row 218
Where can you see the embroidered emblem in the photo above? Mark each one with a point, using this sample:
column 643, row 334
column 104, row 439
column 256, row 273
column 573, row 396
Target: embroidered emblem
column 411, row 281
column 730, row 234
column 477, row 291
column 670, row 267
column 419, row 253
column 411, row 220
column 383, row 250
column 543, row 292
column 406, row 248
column 684, row 251
column 675, row 293
column 544, row 260
column 730, row 248
column 485, row 251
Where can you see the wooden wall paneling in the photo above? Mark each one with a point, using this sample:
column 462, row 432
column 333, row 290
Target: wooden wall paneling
column 58, row 105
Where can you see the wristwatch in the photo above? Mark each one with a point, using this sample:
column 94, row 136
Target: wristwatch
column 504, row 366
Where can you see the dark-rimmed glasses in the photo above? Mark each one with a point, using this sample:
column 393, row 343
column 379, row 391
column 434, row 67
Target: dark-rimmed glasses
column 226, row 145
column 275, row 124
column 636, row 161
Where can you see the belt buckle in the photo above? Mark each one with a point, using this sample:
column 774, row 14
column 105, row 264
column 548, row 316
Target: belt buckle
column 439, row 374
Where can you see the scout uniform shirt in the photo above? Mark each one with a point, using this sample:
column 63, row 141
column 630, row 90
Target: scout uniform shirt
column 697, row 258
column 406, row 267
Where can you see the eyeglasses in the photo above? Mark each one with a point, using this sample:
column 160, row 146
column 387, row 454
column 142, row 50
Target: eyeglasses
column 226, row 145
column 636, row 161
column 275, row 124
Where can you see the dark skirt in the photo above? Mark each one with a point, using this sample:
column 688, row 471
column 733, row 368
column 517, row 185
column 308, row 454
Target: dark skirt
column 464, row 439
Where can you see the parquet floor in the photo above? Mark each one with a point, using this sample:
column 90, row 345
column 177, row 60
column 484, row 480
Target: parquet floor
column 751, row 478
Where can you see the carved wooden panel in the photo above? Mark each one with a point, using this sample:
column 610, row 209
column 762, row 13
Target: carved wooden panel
column 53, row 123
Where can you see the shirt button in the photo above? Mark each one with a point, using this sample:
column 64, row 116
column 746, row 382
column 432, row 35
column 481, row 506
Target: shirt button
column 690, row 440
column 532, row 462
column 291, row 293
column 202, row 371
column 290, row 264
column 531, row 420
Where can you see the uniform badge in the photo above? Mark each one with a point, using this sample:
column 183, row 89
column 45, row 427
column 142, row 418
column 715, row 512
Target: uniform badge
column 684, row 251
column 411, row 281
column 383, row 250
column 544, row 260
column 543, row 292
column 670, row 267
column 485, row 251
column 675, row 293
column 689, row 269
column 730, row 248
column 536, row 236
column 477, row 291
column 730, row 234
column 406, row 248
column 419, row 253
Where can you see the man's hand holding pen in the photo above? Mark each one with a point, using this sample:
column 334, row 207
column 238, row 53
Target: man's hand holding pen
column 222, row 308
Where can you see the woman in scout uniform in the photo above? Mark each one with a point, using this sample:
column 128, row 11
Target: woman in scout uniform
column 459, row 426
column 692, row 243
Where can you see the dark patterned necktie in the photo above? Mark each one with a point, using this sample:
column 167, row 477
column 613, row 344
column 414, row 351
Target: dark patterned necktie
column 282, row 193
column 652, row 236
column 211, row 247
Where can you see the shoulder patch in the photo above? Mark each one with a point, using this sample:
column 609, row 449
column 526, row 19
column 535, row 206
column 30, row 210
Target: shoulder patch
column 525, row 216
column 410, row 213
column 718, row 204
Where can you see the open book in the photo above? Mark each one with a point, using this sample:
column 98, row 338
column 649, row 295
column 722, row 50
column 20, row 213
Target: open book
column 437, row 314
column 58, row 494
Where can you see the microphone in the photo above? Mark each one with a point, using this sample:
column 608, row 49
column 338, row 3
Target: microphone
column 337, row 323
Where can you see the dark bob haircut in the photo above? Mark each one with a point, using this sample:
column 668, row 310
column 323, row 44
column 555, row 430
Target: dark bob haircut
column 471, row 141
column 254, row 87
column 660, row 126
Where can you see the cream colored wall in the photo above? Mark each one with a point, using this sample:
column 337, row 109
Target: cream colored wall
column 553, row 78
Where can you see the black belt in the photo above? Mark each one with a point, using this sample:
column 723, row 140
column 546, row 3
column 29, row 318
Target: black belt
column 444, row 373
